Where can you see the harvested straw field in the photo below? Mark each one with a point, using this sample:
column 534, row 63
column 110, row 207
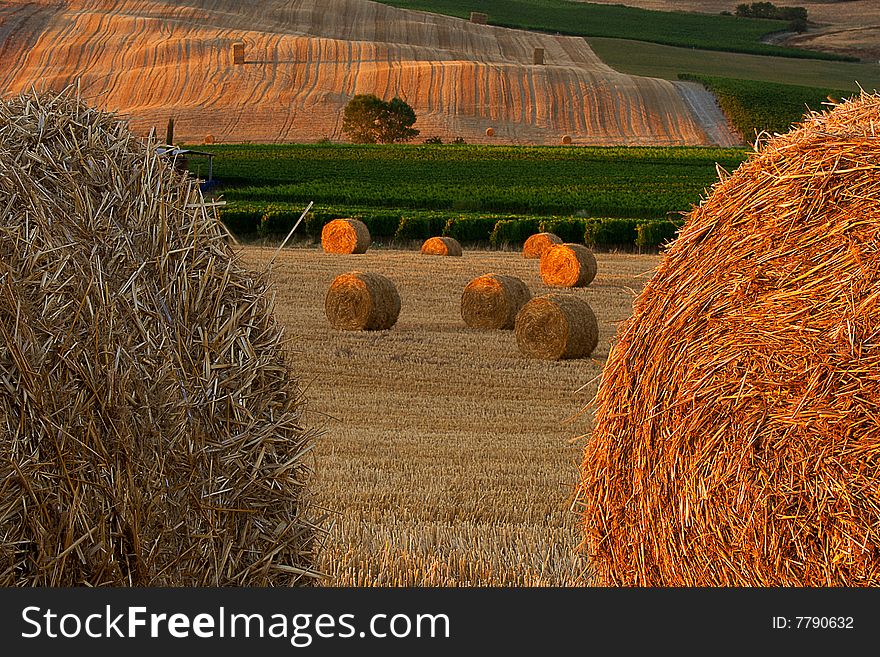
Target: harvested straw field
column 736, row 438
column 303, row 60
column 150, row 429
column 447, row 457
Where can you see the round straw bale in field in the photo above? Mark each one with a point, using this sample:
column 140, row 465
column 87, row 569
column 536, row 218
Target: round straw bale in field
column 568, row 265
column 566, row 139
column 538, row 243
column 442, row 246
column 209, row 139
column 345, row 236
column 737, row 440
column 150, row 428
column 557, row 326
column 359, row 301
column 490, row 132
column 492, row 301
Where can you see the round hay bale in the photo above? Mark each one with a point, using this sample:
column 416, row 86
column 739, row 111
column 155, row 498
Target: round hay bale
column 736, row 439
column 490, row 132
column 492, row 301
column 151, row 433
column 568, row 265
column 566, row 139
column 556, row 326
column 538, row 243
column 359, row 301
column 209, row 139
column 442, row 246
column 345, row 236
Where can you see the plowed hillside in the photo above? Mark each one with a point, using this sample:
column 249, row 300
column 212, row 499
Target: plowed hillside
column 304, row 59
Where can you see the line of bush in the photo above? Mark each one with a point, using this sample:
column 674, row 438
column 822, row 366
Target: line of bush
column 274, row 221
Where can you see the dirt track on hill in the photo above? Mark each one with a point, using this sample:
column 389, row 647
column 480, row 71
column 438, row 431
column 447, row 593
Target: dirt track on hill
column 152, row 59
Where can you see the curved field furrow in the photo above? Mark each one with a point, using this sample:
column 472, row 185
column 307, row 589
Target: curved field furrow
column 304, row 59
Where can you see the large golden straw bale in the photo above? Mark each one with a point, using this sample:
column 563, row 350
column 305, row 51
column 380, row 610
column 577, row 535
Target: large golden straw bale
column 538, row 243
column 362, row 301
column 492, row 301
column 442, row 246
column 737, row 440
column 150, row 430
column 557, row 326
column 345, row 236
column 568, row 265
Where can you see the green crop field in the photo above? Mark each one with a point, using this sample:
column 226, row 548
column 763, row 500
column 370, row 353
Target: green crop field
column 611, row 182
column 655, row 60
column 755, row 107
column 609, row 197
column 707, row 31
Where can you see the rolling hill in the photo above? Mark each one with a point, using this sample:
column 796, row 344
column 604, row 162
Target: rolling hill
column 153, row 59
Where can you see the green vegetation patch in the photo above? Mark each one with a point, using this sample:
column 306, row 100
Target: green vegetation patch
column 690, row 30
column 564, row 181
column 755, row 107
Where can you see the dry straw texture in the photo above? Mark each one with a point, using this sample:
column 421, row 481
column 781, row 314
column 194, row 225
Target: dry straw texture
column 538, row 243
column 345, row 236
column 149, row 428
column 442, row 246
column 557, row 326
column 737, row 438
column 568, row 265
column 359, row 301
column 492, row 301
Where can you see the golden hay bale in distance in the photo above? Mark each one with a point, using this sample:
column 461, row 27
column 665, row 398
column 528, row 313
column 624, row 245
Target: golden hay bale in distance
column 345, row 236
column 566, row 139
column 362, row 301
column 568, row 265
column 538, row 243
column 492, row 301
column 442, row 246
column 556, row 326
column 150, row 430
column 209, row 139
column 737, row 440
column 490, row 132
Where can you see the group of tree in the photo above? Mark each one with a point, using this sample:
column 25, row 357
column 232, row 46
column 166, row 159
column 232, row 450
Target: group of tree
column 796, row 16
column 367, row 119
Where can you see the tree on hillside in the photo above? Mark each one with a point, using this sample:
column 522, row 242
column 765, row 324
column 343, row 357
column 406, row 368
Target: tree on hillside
column 368, row 119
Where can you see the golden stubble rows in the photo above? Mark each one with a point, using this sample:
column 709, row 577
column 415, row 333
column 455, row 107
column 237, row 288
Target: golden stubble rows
column 304, row 59
column 447, row 458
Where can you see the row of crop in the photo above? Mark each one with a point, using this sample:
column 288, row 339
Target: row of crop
column 275, row 221
column 633, row 182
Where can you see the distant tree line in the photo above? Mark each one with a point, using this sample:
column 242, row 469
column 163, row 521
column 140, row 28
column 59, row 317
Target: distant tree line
column 796, row 16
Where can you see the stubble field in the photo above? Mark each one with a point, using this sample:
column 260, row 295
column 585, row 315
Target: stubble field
column 447, row 459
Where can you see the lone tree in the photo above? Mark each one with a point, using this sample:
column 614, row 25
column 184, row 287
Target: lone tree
column 370, row 120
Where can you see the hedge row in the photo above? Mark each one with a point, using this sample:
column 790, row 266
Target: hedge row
column 271, row 220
